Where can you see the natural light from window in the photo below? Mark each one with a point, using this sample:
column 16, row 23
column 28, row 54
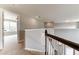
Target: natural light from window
column 10, row 26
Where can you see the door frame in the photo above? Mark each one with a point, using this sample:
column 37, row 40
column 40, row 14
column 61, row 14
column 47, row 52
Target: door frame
column 3, row 27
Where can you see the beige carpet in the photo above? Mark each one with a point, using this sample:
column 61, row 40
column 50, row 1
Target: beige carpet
column 12, row 47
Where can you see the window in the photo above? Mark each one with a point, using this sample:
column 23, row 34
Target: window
column 10, row 26
column 6, row 26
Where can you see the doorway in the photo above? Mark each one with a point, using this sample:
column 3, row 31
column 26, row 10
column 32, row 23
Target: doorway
column 10, row 31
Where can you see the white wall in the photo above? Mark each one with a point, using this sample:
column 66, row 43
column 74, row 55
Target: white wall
column 30, row 23
column 69, row 34
column 35, row 39
column 66, row 25
column 1, row 29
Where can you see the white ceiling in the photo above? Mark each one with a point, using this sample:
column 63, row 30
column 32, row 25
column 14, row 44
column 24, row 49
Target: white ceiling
column 57, row 13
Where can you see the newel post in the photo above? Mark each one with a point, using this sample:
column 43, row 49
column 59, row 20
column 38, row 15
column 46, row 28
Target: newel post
column 46, row 42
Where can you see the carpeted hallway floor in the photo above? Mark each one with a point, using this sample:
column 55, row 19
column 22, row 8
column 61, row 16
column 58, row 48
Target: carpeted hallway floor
column 12, row 47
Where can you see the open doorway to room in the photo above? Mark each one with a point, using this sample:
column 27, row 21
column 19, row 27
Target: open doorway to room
column 10, row 31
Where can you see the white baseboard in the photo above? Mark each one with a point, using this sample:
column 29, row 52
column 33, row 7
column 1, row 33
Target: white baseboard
column 33, row 50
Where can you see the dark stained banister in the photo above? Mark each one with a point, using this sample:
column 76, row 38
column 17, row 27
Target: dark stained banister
column 62, row 40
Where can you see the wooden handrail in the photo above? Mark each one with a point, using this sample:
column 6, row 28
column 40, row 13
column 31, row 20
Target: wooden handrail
column 64, row 41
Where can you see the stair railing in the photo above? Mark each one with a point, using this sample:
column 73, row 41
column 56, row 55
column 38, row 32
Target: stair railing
column 71, row 44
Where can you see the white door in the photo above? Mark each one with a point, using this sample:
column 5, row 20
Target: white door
column 1, row 29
